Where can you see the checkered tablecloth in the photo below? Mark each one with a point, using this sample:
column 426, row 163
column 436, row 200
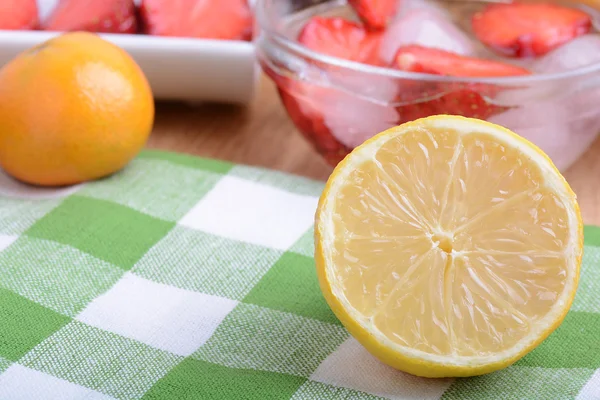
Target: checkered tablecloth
column 186, row 278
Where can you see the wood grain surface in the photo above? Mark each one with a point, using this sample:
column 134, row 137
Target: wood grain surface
column 262, row 135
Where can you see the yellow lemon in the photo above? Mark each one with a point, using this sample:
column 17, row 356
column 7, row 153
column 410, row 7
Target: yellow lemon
column 448, row 246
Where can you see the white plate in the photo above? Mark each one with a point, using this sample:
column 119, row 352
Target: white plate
column 194, row 70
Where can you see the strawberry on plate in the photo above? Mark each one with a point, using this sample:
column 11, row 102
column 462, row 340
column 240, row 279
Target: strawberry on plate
column 376, row 14
column 207, row 19
column 528, row 29
column 340, row 38
column 18, row 14
column 429, row 60
column 106, row 16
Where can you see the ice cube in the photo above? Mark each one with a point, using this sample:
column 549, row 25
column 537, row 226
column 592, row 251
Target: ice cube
column 356, row 111
column 406, row 6
column 45, row 8
column 560, row 117
column 426, row 28
column 582, row 51
column 352, row 120
column 556, row 129
column 353, row 106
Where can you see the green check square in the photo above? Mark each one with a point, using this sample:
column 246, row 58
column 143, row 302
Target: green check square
column 589, row 282
column 198, row 261
column 196, row 379
column 591, row 235
column 155, row 187
column 100, row 360
column 517, row 383
column 205, row 164
column 253, row 337
column 24, row 324
column 291, row 285
column 575, row 344
column 108, row 231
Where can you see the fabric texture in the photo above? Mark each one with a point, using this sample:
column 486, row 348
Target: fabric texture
column 188, row 278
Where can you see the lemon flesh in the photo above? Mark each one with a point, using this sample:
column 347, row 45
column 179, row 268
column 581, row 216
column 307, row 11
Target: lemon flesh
column 448, row 246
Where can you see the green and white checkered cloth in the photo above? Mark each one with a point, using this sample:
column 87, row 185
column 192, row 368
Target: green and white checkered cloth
column 187, row 278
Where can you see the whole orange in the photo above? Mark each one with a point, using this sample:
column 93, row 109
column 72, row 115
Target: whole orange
column 72, row 109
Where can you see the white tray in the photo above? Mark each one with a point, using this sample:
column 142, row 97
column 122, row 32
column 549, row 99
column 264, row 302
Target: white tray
column 194, row 70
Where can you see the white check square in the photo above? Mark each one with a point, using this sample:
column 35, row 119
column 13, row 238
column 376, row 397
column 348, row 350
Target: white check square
column 254, row 213
column 591, row 390
column 22, row 383
column 161, row 316
column 351, row 366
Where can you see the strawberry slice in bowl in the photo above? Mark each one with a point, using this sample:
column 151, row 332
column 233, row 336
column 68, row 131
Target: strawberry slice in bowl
column 375, row 14
column 338, row 37
column 429, row 60
column 206, row 19
column 348, row 107
column 460, row 98
column 106, row 16
column 528, row 29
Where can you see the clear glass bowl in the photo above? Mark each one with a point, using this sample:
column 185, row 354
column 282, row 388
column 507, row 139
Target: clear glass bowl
column 337, row 104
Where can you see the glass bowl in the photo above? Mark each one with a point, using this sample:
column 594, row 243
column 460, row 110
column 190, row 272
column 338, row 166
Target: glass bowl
column 337, row 104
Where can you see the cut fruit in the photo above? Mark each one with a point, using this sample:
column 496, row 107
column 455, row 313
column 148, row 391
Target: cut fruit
column 448, row 246
column 107, row 16
column 376, row 14
column 464, row 102
column 204, row 19
column 18, row 15
column 429, row 60
column 340, row 38
column 528, row 29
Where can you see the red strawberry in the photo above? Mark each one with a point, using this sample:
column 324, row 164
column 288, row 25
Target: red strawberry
column 528, row 29
column 207, row 19
column 310, row 123
column 465, row 102
column 18, row 14
column 107, row 16
column 428, row 60
column 376, row 14
column 340, row 38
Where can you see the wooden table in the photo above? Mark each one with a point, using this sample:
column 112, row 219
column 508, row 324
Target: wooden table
column 263, row 135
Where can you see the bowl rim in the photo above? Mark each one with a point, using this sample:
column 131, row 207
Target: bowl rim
column 267, row 24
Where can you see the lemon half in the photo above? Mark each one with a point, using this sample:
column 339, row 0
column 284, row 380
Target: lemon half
column 448, row 246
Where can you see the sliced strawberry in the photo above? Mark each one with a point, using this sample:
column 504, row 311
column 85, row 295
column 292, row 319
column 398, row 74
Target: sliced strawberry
column 18, row 14
column 465, row 102
column 440, row 62
column 340, row 38
column 207, row 19
column 311, row 124
column 107, row 16
column 528, row 29
column 376, row 14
